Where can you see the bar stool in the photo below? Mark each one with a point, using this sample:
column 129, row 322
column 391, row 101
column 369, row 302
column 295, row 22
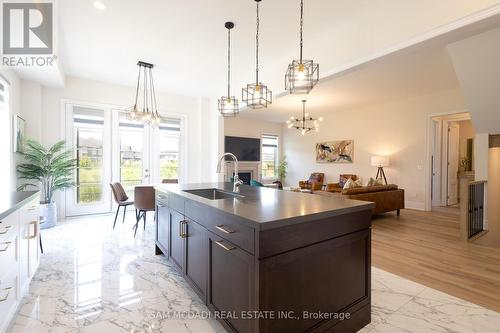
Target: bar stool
column 144, row 197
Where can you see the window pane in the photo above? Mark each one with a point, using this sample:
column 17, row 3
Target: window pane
column 131, row 154
column 88, row 138
column 269, row 156
column 169, row 148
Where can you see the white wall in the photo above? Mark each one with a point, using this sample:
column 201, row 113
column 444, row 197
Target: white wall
column 397, row 129
column 250, row 128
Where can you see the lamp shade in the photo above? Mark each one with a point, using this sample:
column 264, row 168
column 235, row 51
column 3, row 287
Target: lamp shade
column 380, row 161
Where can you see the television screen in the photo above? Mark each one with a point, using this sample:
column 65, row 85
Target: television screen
column 245, row 149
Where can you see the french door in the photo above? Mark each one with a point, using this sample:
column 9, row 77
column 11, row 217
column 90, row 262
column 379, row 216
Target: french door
column 89, row 137
column 109, row 147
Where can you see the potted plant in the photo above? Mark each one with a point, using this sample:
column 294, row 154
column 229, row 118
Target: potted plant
column 49, row 170
column 282, row 168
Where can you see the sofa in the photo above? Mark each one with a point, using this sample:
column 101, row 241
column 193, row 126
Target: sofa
column 338, row 187
column 387, row 198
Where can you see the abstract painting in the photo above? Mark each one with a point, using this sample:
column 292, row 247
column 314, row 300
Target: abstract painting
column 335, row 151
column 19, row 134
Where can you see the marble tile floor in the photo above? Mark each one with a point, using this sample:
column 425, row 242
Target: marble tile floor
column 96, row 279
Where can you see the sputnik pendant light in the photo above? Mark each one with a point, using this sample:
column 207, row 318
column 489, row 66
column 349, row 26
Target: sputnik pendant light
column 228, row 105
column 302, row 75
column 257, row 95
column 305, row 123
column 148, row 114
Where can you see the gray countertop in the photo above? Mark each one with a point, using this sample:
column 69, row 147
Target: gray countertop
column 10, row 202
column 270, row 208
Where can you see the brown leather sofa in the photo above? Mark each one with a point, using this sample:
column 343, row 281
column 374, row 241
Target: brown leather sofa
column 387, row 198
column 338, row 187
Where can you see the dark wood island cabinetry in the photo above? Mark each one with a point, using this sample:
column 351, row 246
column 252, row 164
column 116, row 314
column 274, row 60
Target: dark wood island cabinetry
column 269, row 260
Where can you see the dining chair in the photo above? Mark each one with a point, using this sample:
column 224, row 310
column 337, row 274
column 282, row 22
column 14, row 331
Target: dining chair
column 121, row 199
column 144, row 202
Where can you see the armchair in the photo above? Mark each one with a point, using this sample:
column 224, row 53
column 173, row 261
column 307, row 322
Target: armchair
column 338, row 187
column 314, row 183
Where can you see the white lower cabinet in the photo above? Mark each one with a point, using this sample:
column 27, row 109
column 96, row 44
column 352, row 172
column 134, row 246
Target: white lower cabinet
column 19, row 258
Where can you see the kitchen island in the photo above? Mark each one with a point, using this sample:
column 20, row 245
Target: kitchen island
column 265, row 260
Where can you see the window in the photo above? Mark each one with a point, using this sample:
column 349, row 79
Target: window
column 88, row 139
column 131, row 153
column 269, row 156
column 169, row 130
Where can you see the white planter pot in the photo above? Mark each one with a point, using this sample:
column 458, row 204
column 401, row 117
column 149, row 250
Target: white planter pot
column 48, row 213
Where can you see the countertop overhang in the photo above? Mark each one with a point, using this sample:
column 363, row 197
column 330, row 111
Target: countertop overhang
column 267, row 208
column 10, row 202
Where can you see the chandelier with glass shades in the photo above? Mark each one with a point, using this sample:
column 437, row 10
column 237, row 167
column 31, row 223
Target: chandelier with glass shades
column 305, row 123
column 228, row 105
column 301, row 75
column 257, row 95
column 148, row 112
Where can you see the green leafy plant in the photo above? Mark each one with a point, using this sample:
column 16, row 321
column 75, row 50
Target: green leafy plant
column 50, row 169
column 282, row 168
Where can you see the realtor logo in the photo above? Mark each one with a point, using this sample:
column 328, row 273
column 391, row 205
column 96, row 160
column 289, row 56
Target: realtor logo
column 27, row 28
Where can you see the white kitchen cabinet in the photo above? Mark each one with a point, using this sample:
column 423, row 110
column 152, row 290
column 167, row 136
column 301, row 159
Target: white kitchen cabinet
column 19, row 256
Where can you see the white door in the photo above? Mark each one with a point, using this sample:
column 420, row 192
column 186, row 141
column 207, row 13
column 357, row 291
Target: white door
column 88, row 134
column 453, row 157
column 131, row 156
column 165, row 151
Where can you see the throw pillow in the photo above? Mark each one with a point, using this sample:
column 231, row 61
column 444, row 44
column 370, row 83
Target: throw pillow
column 351, row 184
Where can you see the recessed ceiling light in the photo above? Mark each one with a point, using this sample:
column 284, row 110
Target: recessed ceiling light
column 99, row 5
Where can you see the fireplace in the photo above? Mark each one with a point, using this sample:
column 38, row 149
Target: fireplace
column 245, row 177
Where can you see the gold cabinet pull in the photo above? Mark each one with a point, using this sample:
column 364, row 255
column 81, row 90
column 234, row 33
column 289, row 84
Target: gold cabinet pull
column 182, row 232
column 225, row 229
column 5, row 230
column 6, row 297
column 35, row 230
column 6, row 246
column 224, row 246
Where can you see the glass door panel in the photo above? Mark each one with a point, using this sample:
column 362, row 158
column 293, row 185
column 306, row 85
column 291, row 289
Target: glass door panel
column 87, row 137
column 166, row 158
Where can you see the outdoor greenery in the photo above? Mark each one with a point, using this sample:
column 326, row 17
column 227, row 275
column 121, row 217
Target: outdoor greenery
column 89, row 179
column 282, row 168
column 50, row 169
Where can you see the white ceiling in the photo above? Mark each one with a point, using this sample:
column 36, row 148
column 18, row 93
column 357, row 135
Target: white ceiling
column 187, row 39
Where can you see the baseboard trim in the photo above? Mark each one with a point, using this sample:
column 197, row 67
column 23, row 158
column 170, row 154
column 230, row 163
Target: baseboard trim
column 415, row 205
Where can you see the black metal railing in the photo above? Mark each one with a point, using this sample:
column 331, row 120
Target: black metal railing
column 475, row 208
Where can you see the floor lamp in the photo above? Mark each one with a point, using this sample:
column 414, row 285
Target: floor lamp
column 380, row 162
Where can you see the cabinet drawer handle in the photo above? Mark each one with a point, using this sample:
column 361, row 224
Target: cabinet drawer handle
column 224, row 246
column 6, row 297
column 6, row 246
column 35, row 231
column 182, row 229
column 225, row 229
column 32, row 208
column 5, row 230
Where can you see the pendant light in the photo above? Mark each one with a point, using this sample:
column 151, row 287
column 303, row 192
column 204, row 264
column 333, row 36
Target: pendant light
column 305, row 123
column 228, row 105
column 257, row 95
column 148, row 114
column 302, row 75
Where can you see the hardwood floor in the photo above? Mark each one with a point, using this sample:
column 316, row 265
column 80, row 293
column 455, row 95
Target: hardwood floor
column 425, row 247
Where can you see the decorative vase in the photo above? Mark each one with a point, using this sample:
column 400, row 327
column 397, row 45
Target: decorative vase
column 48, row 213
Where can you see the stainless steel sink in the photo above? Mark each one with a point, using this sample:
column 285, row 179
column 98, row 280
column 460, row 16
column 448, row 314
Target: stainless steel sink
column 214, row 194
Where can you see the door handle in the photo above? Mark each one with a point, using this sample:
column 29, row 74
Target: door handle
column 6, row 246
column 224, row 246
column 225, row 229
column 35, row 233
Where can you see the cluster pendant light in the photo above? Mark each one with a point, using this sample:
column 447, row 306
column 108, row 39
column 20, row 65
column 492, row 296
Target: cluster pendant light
column 302, row 75
column 257, row 95
column 305, row 123
column 148, row 113
column 228, row 105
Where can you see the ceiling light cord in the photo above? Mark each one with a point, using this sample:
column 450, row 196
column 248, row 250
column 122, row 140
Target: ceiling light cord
column 154, row 93
column 229, row 63
column 257, row 47
column 301, row 28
